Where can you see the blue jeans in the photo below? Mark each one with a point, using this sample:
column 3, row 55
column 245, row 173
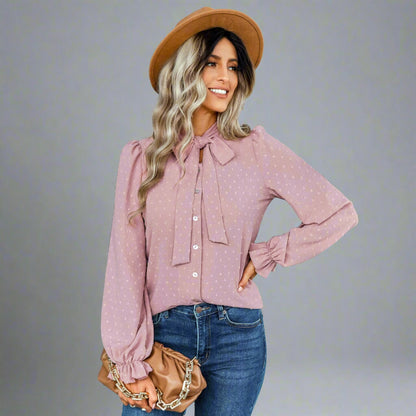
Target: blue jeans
column 230, row 345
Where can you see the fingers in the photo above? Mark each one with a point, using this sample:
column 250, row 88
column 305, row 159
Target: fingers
column 248, row 274
column 145, row 385
column 126, row 401
column 148, row 387
column 151, row 391
column 144, row 405
column 141, row 404
column 123, row 398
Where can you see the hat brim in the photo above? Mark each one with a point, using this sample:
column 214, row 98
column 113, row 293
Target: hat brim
column 232, row 20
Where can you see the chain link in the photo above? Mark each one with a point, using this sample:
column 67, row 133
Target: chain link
column 122, row 387
column 144, row 396
column 184, row 392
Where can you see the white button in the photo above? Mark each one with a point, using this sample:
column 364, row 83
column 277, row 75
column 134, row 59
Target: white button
column 195, row 274
column 195, row 218
column 197, row 191
column 195, row 246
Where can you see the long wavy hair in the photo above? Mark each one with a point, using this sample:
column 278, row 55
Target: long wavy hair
column 181, row 91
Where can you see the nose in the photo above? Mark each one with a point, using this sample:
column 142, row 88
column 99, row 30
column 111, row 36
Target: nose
column 223, row 73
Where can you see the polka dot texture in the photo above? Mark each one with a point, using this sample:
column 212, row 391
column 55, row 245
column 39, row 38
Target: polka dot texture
column 196, row 235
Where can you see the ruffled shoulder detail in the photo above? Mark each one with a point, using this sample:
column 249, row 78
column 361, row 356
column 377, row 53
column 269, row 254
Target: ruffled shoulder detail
column 265, row 143
column 259, row 129
column 133, row 157
column 257, row 133
column 136, row 147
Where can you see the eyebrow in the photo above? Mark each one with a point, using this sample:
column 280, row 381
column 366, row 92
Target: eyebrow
column 218, row 57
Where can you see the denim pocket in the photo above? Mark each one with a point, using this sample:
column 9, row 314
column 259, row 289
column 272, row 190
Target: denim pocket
column 160, row 317
column 243, row 317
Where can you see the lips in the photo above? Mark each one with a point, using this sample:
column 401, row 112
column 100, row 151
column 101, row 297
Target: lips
column 219, row 92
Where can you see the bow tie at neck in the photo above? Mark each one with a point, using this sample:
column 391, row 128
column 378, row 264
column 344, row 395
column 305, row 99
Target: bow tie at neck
column 217, row 152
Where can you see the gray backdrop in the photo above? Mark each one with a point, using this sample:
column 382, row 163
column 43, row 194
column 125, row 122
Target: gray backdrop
column 337, row 84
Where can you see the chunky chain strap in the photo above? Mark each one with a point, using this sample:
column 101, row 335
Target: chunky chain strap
column 143, row 396
column 184, row 392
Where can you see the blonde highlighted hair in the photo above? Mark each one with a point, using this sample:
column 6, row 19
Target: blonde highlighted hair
column 181, row 92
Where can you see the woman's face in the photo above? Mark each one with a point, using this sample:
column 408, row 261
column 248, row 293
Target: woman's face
column 220, row 77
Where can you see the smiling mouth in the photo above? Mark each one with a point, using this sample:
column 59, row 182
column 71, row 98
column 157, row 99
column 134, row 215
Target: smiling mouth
column 218, row 91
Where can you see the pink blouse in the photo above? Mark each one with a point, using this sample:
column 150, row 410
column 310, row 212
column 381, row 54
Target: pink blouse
column 195, row 237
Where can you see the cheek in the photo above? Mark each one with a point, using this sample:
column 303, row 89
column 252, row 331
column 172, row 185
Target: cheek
column 206, row 77
column 234, row 82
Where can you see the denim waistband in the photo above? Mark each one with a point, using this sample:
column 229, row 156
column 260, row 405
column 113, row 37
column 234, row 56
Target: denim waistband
column 200, row 309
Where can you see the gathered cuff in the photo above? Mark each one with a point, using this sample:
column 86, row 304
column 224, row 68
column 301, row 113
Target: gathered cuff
column 133, row 371
column 266, row 255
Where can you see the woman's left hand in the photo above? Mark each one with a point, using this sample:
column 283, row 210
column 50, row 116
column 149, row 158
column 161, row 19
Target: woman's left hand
column 248, row 274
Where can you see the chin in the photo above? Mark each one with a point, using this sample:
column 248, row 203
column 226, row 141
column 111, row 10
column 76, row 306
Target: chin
column 221, row 108
column 216, row 107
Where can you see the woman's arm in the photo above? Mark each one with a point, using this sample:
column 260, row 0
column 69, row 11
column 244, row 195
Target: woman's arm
column 325, row 213
column 126, row 320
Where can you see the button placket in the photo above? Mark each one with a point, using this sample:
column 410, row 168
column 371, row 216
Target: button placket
column 196, row 253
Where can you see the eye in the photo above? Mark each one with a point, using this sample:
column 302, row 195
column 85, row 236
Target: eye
column 211, row 64
column 234, row 68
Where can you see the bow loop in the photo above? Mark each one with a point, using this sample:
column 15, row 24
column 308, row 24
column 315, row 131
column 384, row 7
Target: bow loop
column 222, row 152
column 202, row 141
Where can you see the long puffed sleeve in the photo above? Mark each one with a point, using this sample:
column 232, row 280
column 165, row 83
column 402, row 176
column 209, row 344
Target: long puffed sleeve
column 126, row 319
column 325, row 213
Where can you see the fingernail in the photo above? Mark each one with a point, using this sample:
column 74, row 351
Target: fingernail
column 240, row 288
column 153, row 405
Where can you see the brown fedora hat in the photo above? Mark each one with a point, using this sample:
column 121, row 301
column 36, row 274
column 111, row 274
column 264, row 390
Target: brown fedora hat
column 206, row 18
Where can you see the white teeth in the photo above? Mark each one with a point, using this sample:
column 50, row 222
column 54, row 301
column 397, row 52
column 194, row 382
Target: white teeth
column 217, row 91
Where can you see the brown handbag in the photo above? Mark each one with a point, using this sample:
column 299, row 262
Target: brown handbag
column 178, row 380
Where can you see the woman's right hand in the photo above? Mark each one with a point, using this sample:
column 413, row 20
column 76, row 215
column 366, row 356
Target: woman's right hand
column 144, row 385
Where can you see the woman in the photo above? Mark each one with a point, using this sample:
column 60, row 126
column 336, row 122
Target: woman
column 188, row 207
